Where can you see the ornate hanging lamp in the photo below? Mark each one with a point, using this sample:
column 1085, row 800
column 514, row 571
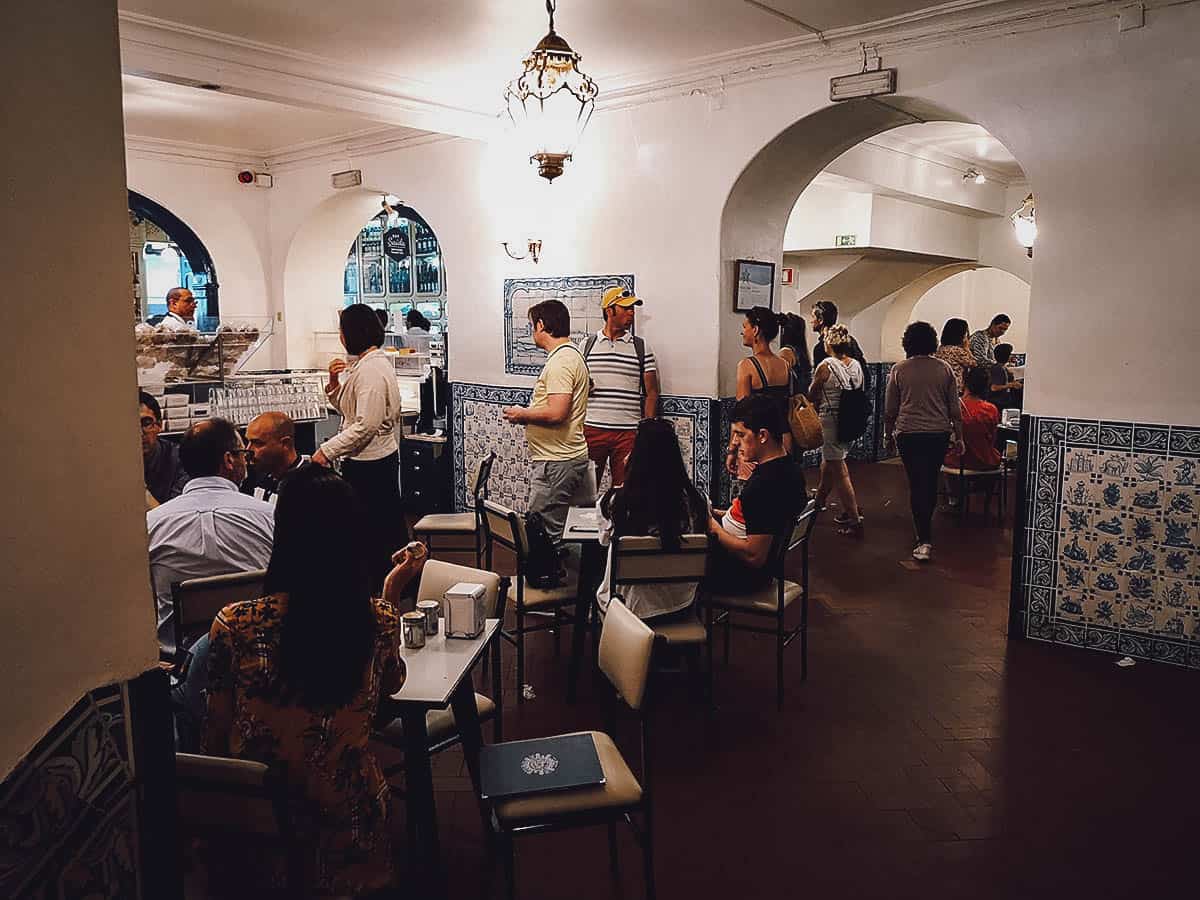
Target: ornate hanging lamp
column 550, row 102
column 1025, row 225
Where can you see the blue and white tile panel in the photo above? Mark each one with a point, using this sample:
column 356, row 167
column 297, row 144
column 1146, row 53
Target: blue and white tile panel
column 1111, row 542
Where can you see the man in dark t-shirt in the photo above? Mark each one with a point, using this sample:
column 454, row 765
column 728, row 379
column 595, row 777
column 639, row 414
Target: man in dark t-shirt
column 770, row 501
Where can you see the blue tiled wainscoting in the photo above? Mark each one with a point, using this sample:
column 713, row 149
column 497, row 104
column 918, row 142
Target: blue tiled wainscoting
column 1108, row 557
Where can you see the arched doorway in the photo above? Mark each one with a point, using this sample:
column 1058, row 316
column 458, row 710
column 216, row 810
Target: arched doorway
column 165, row 253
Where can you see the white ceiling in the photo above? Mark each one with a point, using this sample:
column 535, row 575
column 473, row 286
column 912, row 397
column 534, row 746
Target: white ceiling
column 970, row 144
column 470, row 48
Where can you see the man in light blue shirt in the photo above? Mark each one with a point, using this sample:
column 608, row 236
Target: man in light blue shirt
column 211, row 528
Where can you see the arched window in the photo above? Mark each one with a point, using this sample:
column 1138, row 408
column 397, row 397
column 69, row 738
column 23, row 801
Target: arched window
column 166, row 253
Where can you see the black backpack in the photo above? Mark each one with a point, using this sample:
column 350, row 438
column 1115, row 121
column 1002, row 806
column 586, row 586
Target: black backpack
column 853, row 412
column 542, row 567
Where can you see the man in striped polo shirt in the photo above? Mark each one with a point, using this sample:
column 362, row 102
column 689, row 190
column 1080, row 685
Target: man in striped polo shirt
column 625, row 384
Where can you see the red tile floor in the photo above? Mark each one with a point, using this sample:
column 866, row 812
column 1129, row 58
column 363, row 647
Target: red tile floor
column 927, row 756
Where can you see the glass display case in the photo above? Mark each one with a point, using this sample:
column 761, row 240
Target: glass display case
column 166, row 357
column 300, row 395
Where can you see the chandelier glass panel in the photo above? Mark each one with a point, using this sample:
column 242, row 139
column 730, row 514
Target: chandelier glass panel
column 550, row 102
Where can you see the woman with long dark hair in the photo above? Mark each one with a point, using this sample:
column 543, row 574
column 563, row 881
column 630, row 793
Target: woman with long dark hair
column 793, row 348
column 657, row 499
column 295, row 680
column 762, row 372
column 366, row 394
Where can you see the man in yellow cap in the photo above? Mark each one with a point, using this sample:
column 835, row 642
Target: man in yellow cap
column 625, row 383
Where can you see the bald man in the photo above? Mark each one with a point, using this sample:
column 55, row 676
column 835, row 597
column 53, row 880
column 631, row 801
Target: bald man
column 271, row 441
column 181, row 310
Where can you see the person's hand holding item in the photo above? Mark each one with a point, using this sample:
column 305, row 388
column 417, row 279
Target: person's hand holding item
column 407, row 564
column 320, row 458
column 336, row 368
column 745, row 470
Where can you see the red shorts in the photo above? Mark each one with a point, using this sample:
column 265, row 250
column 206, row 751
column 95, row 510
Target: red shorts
column 604, row 444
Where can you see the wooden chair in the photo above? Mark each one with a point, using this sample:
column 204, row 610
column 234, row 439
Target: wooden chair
column 626, row 645
column 436, row 578
column 642, row 560
column 505, row 527
column 772, row 601
column 460, row 524
column 219, row 797
column 197, row 601
column 988, row 482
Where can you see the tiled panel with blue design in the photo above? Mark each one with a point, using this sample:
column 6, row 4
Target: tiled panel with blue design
column 1111, row 544
column 70, row 823
column 479, row 428
column 580, row 293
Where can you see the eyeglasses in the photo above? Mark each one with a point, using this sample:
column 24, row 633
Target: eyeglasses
column 149, row 421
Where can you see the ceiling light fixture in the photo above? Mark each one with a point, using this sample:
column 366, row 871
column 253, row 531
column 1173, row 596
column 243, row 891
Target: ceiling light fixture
column 1025, row 225
column 973, row 174
column 550, row 102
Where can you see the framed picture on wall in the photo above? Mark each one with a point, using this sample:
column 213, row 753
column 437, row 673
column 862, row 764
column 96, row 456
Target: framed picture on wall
column 787, row 273
column 753, row 284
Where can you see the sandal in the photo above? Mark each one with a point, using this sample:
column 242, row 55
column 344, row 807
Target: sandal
column 850, row 527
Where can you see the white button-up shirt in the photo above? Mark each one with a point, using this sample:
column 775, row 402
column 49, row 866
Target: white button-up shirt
column 209, row 529
column 368, row 398
column 174, row 322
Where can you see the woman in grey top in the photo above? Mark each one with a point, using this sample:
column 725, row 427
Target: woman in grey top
column 921, row 412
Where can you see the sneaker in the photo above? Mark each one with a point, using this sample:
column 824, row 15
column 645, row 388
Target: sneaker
column 922, row 552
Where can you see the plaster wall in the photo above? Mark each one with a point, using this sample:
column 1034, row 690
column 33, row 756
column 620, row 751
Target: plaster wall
column 977, row 296
column 901, row 225
column 232, row 221
column 822, row 213
column 77, row 611
column 810, row 272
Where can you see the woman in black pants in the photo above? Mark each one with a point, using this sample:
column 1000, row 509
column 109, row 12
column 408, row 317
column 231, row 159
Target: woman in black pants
column 366, row 394
column 921, row 415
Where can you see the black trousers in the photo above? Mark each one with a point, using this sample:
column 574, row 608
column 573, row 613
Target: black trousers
column 922, row 453
column 377, row 483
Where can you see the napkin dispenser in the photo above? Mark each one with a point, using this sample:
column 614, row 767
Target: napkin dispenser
column 464, row 610
column 1011, row 418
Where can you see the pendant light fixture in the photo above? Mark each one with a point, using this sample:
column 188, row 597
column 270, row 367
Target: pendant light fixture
column 550, row 102
column 1025, row 225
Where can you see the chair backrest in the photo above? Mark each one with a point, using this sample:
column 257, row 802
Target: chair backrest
column 585, row 494
column 437, row 577
column 505, row 526
column 231, row 795
column 642, row 560
column 482, row 475
column 626, row 643
column 198, row 600
column 796, row 536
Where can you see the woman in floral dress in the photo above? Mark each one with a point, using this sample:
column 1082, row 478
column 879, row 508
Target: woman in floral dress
column 296, row 677
column 954, row 350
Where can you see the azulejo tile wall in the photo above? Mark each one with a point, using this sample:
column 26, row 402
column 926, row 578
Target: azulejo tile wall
column 70, row 826
column 1111, row 549
column 479, row 428
column 580, row 293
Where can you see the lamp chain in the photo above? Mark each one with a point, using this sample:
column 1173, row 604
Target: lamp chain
column 551, row 5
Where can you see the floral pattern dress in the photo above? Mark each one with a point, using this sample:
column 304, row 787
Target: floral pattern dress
column 959, row 359
column 338, row 796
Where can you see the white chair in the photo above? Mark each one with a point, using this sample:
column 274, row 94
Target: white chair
column 626, row 645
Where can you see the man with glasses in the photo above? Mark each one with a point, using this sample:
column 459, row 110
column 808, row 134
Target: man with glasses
column 211, row 528
column 181, row 310
column 163, row 473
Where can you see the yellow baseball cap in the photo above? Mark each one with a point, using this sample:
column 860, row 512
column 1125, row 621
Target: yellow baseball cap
column 619, row 296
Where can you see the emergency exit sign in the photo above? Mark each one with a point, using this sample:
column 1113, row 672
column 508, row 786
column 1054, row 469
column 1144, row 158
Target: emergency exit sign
column 845, row 240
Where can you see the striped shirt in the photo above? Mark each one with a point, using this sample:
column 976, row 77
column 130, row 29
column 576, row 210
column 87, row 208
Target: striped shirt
column 615, row 402
column 981, row 348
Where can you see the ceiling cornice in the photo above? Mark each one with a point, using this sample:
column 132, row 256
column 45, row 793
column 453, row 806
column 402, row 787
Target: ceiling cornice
column 195, row 154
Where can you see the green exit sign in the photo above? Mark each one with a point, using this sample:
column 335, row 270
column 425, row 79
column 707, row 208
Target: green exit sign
column 845, row 240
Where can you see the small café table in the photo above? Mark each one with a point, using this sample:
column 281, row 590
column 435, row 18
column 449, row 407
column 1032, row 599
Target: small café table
column 582, row 528
column 439, row 676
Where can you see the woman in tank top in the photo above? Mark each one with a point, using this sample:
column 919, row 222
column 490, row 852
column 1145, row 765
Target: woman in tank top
column 836, row 373
column 764, row 372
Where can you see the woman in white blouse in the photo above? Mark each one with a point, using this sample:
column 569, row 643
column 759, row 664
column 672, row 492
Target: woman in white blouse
column 367, row 396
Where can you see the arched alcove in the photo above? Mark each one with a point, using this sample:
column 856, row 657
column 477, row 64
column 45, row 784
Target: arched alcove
column 200, row 272
column 757, row 209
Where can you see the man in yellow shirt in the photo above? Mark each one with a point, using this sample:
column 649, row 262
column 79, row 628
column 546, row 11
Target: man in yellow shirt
column 554, row 420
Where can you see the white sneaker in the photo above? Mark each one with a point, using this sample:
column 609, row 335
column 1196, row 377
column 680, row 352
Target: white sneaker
column 922, row 552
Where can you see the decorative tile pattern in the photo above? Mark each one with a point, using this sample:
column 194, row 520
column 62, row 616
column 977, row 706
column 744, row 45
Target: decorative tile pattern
column 479, row 428
column 581, row 294
column 69, row 817
column 1112, row 538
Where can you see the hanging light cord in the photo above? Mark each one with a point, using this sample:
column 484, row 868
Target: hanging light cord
column 779, row 14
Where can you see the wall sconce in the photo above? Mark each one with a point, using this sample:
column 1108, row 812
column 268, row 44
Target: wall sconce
column 973, row 174
column 533, row 250
column 1025, row 225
